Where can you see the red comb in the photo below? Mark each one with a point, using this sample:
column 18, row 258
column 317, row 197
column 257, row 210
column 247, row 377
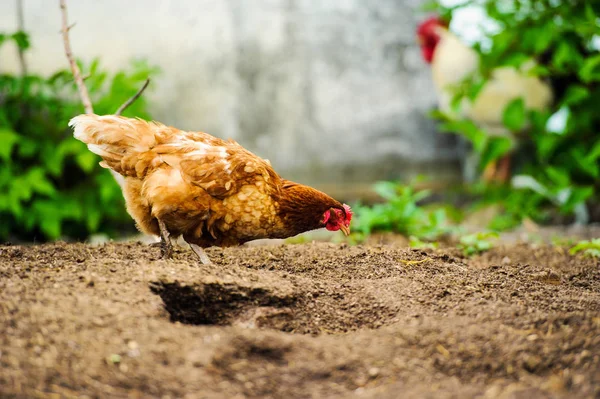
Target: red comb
column 348, row 212
column 426, row 25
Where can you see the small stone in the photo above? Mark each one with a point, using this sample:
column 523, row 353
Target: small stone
column 578, row 379
column 114, row 358
column 132, row 345
column 532, row 363
column 360, row 381
column 374, row 372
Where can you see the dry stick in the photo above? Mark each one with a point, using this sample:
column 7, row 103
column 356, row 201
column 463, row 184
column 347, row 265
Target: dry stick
column 133, row 98
column 21, row 27
column 83, row 91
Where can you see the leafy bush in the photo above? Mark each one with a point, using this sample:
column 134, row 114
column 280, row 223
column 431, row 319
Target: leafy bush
column 50, row 184
column 560, row 154
column 401, row 213
column 516, row 205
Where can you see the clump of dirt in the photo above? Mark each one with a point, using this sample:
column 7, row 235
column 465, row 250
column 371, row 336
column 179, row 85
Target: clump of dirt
column 323, row 320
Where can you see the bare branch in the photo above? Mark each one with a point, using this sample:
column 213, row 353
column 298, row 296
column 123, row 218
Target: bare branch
column 83, row 92
column 21, row 28
column 133, row 98
column 79, row 80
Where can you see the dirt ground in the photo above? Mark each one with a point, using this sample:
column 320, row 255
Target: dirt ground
column 295, row 321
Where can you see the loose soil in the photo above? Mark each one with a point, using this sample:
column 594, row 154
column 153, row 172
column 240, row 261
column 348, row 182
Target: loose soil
column 295, row 321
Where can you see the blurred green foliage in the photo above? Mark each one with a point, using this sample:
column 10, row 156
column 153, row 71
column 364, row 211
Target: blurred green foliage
column 473, row 244
column 51, row 186
column 560, row 153
column 589, row 248
column 401, row 213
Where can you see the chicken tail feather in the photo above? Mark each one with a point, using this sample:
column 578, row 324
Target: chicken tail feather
column 121, row 142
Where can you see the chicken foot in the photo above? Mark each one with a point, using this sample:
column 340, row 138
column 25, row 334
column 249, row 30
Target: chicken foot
column 200, row 253
column 166, row 245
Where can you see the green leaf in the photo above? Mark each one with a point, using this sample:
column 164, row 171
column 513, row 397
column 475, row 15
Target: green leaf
column 386, row 189
column 21, row 189
column 496, row 147
column 538, row 70
column 578, row 196
column 590, row 13
column 472, row 244
column 514, row 115
column 27, row 147
column 92, row 220
column 50, row 226
column 8, row 139
column 545, row 38
column 559, row 177
column 546, row 144
column 529, row 182
column 562, row 56
column 515, row 59
column 590, row 248
column 469, row 130
column 456, row 102
column 87, row 161
column 49, row 216
column 475, row 88
column 594, row 153
column 22, row 40
column 38, row 182
column 575, row 94
column 588, row 164
column 590, row 71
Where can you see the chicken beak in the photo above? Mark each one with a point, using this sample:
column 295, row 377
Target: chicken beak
column 345, row 229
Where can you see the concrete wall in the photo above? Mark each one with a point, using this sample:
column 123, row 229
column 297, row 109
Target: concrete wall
column 333, row 92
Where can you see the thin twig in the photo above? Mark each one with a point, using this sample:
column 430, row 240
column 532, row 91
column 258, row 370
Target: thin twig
column 21, row 28
column 133, row 98
column 79, row 80
column 83, row 92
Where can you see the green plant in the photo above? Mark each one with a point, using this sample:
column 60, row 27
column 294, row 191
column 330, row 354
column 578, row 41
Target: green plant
column 560, row 152
column 472, row 244
column 50, row 184
column 401, row 213
column 515, row 205
column 415, row 242
column 589, row 248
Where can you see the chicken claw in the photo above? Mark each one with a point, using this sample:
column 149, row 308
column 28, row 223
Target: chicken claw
column 201, row 254
column 166, row 245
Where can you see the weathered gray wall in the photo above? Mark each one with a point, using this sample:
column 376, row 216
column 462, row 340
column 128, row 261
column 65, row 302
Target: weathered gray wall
column 333, row 92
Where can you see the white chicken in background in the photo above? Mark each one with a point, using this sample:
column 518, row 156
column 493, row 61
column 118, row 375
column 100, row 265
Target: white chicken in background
column 452, row 62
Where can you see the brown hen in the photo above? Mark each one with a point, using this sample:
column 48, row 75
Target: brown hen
column 210, row 191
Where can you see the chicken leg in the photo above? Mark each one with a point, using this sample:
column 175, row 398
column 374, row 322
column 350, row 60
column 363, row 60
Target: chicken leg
column 201, row 254
column 166, row 245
